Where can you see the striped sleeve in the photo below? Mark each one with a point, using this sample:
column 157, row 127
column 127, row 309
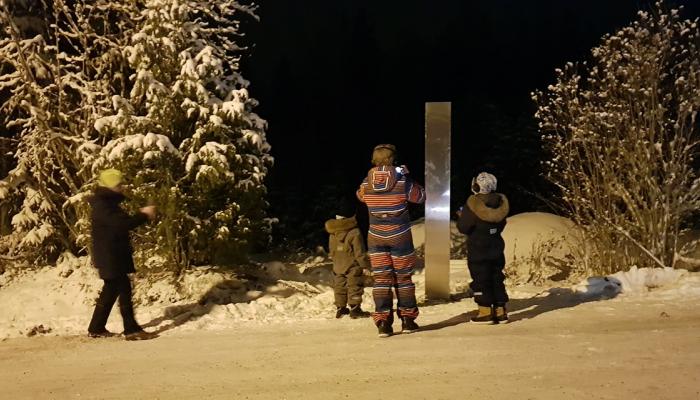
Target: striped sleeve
column 415, row 192
column 361, row 191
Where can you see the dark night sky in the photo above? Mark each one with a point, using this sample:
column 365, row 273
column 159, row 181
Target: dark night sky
column 334, row 78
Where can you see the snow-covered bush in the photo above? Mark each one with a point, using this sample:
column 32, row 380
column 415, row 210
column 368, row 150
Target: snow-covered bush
column 622, row 131
column 149, row 87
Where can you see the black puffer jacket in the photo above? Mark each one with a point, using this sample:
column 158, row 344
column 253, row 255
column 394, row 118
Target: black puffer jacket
column 111, row 248
column 483, row 220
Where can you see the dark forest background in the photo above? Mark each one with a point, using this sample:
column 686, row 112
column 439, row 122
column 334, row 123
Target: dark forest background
column 335, row 78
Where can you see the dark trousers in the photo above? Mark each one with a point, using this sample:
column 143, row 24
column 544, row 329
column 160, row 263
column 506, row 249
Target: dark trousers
column 113, row 288
column 487, row 282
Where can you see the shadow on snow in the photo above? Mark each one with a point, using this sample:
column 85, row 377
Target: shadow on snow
column 522, row 309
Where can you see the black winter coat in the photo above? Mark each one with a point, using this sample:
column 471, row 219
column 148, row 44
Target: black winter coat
column 483, row 219
column 112, row 253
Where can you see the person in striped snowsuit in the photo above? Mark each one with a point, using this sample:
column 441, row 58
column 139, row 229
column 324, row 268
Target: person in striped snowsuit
column 387, row 190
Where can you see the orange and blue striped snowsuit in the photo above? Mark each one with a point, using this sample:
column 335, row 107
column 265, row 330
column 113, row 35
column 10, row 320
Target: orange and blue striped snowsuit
column 390, row 244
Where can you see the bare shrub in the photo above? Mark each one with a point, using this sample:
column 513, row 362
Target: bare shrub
column 623, row 136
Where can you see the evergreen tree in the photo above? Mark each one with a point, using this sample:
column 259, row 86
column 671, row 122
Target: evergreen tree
column 161, row 99
column 57, row 68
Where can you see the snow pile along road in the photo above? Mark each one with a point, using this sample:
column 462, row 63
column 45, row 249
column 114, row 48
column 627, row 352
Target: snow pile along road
column 538, row 246
column 639, row 281
column 59, row 300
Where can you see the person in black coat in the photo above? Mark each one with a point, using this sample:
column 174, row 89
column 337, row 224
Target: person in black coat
column 112, row 255
column 483, row 219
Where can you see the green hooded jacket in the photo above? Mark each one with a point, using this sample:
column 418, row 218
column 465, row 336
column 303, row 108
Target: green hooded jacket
column 345, row 244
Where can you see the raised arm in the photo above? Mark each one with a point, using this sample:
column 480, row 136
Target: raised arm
column 466, row 221
column 119, row 219
column 415, row 192
column 361, row 191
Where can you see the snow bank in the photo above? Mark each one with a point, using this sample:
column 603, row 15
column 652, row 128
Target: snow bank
column 538, row 245
column 55, row 299
column 59, row 300
column 599, row 287
column 640, row 280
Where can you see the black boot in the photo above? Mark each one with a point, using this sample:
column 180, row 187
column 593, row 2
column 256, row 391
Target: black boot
column 140, row 335
column 103, row 334
column 340, row 311
column 357, row 312
column 385, row 329
column 408, row 325
column 500, row 315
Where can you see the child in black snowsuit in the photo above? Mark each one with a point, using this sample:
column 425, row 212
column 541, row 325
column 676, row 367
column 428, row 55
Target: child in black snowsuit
column 482, row 220
column 347, row 249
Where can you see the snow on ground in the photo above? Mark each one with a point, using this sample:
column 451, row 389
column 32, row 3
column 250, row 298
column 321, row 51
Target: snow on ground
column 538, row 246
column 58, row 300
column 638, row 281
column 559, row 345
column 267, row 331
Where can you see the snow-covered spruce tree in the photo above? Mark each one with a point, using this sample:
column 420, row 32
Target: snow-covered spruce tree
column 58, row 66
column 623, row 135
column 150, row 87
column 186, row 133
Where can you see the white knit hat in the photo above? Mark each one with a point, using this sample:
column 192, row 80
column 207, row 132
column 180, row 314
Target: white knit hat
column 487, row 182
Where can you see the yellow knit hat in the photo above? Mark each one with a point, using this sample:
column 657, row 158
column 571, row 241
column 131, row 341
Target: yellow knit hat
column 110, row 178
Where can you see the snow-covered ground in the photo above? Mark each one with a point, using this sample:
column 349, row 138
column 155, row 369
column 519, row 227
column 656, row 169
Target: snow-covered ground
column 267, row 331
column 578, row 342
column 58, row 300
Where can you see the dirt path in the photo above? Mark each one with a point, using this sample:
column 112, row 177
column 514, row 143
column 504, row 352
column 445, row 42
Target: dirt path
column 617, row 349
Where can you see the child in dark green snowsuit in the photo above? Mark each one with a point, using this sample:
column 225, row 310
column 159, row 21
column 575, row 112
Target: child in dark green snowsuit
column 347, row 250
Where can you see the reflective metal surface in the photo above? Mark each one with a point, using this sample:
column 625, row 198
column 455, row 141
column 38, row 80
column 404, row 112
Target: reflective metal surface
column 437, row 205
